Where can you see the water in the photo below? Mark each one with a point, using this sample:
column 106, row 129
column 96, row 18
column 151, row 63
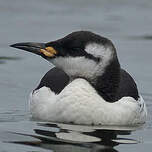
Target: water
column 126, row 23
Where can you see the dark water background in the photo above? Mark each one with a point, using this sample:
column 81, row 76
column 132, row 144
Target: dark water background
column 127, row 23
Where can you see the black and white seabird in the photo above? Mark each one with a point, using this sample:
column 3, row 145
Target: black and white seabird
column 87, row 86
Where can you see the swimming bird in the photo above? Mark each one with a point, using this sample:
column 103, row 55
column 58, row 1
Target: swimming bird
column 87, row 85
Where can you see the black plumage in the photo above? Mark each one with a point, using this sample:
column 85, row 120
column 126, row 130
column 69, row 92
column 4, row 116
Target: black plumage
column 113, row 84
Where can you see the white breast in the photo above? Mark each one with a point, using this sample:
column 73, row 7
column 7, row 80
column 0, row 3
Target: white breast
column 80, row 104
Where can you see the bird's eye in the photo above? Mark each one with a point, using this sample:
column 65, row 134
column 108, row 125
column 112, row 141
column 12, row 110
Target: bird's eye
column 77, row 49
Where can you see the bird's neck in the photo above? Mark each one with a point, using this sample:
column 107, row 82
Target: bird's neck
column 107, row 84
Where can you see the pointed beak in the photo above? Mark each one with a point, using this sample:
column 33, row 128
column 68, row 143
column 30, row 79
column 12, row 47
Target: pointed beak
column 36, row 48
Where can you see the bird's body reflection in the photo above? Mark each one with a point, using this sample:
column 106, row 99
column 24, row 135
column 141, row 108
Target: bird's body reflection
column 66, row 137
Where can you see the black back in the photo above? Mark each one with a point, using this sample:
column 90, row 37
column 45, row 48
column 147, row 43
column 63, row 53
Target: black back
column 55, row 79
column 127, row 86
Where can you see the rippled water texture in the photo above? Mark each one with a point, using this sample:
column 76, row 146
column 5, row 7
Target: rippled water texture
column 126, row 23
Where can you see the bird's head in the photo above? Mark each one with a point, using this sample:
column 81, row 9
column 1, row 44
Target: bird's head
column 79, row 54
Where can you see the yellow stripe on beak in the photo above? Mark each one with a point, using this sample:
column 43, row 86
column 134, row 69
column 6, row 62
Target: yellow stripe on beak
column 49, row 51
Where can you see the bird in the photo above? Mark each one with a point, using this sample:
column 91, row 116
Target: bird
column 87, row 86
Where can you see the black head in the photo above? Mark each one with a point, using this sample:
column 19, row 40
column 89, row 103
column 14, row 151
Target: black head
column 75, row 44
column 82, row 54
column 79, row 54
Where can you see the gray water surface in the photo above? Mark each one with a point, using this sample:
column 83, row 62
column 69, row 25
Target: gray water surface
column 127, row 23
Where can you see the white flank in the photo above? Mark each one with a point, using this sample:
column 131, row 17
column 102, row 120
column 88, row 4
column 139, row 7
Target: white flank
column 80, row 104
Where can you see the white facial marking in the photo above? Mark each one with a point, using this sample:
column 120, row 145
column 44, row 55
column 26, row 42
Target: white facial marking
column 95, row 49
column 85, row 67
column 100, row 51
column 76, row 66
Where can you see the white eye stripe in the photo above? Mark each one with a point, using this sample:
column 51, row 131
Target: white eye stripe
column 99, row 51
column 95, row 49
